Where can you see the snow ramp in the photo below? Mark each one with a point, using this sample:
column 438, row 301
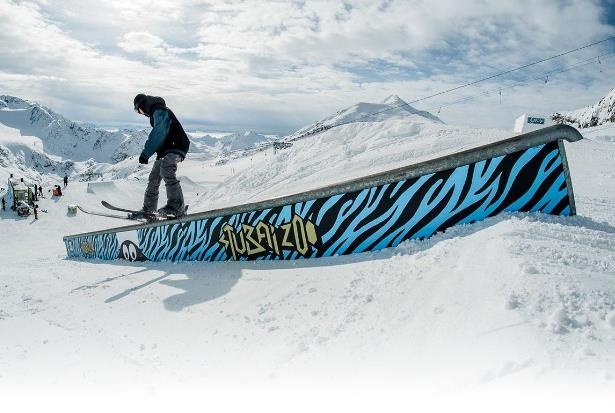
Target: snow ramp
column 102, row 187
column 527, row 172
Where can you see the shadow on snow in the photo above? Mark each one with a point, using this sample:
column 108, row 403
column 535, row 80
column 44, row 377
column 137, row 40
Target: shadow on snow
column 205, row 281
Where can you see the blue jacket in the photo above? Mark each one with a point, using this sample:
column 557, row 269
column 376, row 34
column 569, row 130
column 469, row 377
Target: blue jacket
column 162, row 125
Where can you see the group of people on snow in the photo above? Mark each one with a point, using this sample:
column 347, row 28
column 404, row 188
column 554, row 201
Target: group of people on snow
column 23, row 208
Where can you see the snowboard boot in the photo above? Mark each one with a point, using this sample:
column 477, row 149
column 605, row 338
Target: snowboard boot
column 141, row 214
column 170, row 212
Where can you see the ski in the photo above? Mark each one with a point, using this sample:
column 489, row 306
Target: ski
column 108, row 215
column 114, row 208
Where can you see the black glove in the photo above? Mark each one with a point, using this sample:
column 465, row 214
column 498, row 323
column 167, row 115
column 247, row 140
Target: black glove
column 143, row 159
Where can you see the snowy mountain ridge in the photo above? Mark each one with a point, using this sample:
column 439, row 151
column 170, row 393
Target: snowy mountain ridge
column 393, row 107
column 61, row 139
column 228, row 143
column 66, row 139
column 35, row 140
column 594, row 115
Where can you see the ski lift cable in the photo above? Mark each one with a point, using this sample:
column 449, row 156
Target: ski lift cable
column 518, row 84
column 327, row 127
column 521, row 83
column 498, row 90
column 478, row 81
column 526, row 81
column 563, row 69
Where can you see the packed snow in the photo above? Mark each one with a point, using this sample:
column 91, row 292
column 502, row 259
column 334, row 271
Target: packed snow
column 516, row 304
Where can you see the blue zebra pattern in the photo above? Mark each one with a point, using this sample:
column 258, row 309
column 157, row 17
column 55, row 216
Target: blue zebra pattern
column 369, row 219
column 102, row 246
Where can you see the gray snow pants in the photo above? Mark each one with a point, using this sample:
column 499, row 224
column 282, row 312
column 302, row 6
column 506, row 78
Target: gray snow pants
column 164, row 168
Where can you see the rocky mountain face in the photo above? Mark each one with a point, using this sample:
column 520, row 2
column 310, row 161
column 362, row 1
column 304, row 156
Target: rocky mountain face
column 595, row 115
column 63, row 138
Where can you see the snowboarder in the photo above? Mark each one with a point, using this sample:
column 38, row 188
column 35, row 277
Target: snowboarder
column 40, row 191
column 35, row 211
column 3, row 204
column 65, row 180
column 170, row 143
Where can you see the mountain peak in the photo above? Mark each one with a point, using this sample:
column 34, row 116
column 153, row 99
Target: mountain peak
column 13, row 102
column 392, row 107
column 394, row 100
column 242, row 140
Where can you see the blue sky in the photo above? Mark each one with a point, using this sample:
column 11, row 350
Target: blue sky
column 275, row 66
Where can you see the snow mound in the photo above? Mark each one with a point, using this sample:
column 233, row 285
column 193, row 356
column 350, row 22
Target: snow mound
column 102, row 187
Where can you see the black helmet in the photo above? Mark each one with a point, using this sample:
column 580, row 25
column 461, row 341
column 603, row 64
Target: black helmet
column 139, row 99
column 146, row 103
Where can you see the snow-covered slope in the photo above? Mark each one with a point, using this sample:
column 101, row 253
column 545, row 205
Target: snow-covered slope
column 24, row 157
column 595, row 115
column 519, row 303
column 339, row 154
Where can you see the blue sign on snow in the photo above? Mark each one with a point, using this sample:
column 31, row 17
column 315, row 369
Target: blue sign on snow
column 538, row 121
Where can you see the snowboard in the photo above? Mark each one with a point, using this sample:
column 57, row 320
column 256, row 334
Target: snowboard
column 149, row 218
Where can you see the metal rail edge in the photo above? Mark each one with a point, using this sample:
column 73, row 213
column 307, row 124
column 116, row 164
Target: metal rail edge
column 492, row 150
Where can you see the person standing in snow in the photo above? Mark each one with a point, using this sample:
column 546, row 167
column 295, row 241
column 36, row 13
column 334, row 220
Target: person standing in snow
column 170, row 143
column 3, row 204
column 65, row 180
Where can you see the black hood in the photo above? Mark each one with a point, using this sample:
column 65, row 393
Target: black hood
column 147, row 102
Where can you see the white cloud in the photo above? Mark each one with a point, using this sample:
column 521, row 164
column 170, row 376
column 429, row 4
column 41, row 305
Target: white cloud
column 146, row 44
column 287, row 62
